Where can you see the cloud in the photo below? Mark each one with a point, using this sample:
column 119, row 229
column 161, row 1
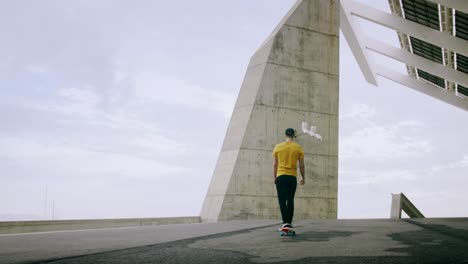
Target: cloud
column 72, row 160
column 114, row 131
column 360, row 111
column 361, row 176
column 425, row 195
column 38, row 68
column 464, row 161
column 122, row 128
column 165, row 89
column 366, row 177
column 372, row 141
column 382, row 143
column 80, row 106
column 452, row 165
column 159, row 144
column 74, row 103
column 80, row 96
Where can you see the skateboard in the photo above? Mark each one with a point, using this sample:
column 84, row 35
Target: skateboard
column 287, row 231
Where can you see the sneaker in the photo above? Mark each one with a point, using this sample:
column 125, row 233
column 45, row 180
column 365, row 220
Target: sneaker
column 281, row 227
column 288, row 225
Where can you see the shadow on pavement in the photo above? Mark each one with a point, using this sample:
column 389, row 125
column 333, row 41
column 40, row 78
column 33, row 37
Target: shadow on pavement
column 319, row 236
column 431, row 244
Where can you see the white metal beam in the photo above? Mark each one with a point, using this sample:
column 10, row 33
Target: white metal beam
column 441, row 39
column 445, row 72
column 349, row 29
column 425, row 88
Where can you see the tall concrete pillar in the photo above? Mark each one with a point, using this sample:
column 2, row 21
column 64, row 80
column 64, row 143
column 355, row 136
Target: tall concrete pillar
column 292, row 78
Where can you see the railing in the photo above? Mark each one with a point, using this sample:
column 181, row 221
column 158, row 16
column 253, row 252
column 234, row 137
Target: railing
column 401, row 203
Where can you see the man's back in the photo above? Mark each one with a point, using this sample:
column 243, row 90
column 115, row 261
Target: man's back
column 288, row 154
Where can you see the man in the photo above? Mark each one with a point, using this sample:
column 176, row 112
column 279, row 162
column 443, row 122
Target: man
column 286, row 155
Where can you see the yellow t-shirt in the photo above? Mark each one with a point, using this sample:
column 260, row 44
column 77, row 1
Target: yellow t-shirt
column 288, row 154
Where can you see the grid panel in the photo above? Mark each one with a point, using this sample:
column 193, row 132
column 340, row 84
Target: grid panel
column 461, row 22
column 422, row 12
column 462, row 63
column 431, row 78
column 463, row 90
column 426, row 50
column 426, row 13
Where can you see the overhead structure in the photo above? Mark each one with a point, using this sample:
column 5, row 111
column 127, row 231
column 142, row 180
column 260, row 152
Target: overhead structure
column 433, row 38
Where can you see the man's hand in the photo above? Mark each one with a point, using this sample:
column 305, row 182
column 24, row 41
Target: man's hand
column 275, row 179
column 302, row 169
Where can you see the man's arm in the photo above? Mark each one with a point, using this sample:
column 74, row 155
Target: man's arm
column 275, row 167
column 302, row 169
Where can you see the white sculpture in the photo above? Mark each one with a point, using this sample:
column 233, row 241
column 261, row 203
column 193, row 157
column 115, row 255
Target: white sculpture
column 312, row 131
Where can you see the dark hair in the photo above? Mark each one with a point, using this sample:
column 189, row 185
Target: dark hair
column 290, row 132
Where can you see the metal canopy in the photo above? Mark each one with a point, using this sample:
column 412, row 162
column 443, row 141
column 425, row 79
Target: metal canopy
column 433, row 39
column 429, row 14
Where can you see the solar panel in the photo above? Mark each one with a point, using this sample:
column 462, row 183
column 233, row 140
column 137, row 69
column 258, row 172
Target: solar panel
column 427, row 13
column 461, row 25
column 431, row 78
column 461, row 22
column 462, row 63
column 422, row 12
column 426, row 50
column 462, row 90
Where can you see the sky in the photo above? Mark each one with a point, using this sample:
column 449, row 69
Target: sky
column 117, row 109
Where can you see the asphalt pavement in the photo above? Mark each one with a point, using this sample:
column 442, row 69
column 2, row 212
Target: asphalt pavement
column 317, row 241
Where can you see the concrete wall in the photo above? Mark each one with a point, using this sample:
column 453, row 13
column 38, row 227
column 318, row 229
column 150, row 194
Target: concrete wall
column 293, row 77
column 61, row 225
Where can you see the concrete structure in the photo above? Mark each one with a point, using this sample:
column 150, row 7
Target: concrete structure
column 318, row 241
column 401, row 203
column 292, row 78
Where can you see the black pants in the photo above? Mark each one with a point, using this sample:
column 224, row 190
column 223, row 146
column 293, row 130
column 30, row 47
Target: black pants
column 286, row 188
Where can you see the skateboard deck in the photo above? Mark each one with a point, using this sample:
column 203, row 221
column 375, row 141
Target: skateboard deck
column 287, row 231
